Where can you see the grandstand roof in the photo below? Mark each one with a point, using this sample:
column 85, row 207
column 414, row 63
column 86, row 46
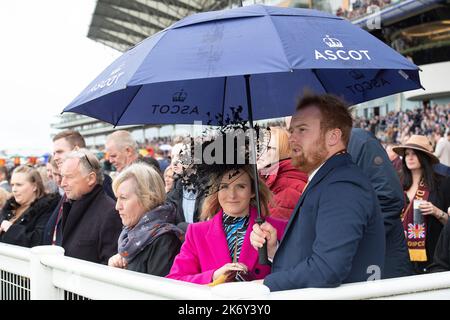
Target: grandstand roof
column 399, row 11
column 120, row 24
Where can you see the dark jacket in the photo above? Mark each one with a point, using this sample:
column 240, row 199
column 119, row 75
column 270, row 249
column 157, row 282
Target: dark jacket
column 287, row 186
column 442, row 169
column 47, row 236
column 91, row 227
column 441, row 260
column 440, row 198
column 336, row 233
column 27, row 231
column 107, row 186
column 163, row 244
column 157, row 258
column 175, row 196
column 370, row 156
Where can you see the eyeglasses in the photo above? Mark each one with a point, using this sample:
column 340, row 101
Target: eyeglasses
column 87, row 160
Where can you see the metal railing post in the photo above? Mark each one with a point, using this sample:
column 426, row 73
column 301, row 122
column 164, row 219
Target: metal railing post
column 41, row 284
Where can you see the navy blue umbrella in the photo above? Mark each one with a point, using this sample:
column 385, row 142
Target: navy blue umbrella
column 193, row 70
column 261, row 57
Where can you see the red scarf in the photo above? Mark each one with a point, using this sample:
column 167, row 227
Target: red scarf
column 416, row 233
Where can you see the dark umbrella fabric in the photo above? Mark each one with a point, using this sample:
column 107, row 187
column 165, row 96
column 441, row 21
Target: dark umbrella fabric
column 193, row 70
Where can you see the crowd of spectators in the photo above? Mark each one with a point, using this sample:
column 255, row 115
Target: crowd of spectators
column 397, row 127
column 359, row 8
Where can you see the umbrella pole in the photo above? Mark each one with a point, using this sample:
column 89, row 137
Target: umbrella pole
column 262, row 252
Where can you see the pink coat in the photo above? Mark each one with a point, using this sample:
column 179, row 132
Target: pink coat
column 205, row 250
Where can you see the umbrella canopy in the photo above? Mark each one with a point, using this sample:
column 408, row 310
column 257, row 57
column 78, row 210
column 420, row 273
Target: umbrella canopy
column 193, row 70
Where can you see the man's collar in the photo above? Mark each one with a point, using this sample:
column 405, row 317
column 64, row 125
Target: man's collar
column 311, row 176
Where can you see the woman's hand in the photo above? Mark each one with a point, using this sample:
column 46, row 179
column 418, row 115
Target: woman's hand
column 5, row 226
column 117, row 261
column 229, row 269
column 427, row 208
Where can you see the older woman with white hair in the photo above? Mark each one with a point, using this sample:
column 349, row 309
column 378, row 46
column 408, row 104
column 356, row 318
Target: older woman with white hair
column 149, row 241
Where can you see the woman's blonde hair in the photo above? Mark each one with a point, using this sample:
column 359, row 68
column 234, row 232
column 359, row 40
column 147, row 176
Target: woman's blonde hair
column 34, row 177
column 282, row 141
column 211, row 203
column 149, row 186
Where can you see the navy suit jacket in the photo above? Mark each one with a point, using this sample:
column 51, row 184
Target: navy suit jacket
column 335, row 234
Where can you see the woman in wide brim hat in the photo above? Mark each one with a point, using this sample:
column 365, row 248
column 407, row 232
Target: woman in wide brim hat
column 420, row 182
column 419, row 143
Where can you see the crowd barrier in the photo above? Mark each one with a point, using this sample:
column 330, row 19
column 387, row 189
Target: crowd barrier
column 45, row 273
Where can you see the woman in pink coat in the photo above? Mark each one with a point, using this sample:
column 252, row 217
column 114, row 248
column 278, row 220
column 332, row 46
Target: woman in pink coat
column 210, row 247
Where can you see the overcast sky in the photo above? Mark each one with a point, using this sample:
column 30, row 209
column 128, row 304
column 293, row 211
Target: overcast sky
column 46, row 60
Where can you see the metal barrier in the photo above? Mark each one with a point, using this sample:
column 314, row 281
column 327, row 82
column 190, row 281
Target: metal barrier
column 45, row 273
column 14, row 287
column 14, row 272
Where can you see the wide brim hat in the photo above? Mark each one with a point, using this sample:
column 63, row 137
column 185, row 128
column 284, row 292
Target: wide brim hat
column 420, row 143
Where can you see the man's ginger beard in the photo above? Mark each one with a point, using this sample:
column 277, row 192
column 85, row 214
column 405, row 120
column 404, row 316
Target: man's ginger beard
column 308, row 163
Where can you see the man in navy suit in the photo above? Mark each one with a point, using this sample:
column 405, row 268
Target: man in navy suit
column 335, row 234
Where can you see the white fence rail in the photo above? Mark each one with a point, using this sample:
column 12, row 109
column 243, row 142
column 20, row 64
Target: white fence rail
column 45, row 273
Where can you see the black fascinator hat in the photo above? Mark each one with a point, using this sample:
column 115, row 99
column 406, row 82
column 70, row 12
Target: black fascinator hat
column 220, row 149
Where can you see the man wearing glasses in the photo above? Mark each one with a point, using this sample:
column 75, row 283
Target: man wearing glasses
column 63, row 143
column 90, row 225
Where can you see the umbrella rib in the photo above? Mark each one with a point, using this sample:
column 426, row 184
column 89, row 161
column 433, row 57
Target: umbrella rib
column 224, row 95
column 125, row 109
column 281, row 43
column 318, row 79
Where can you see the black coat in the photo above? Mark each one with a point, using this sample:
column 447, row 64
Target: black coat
column 157, row 258
column 47, row 237
column 370, row 156
column 440, row 198
column 91, row 227
column 175, row 196
column 441, row 260
column 27, row 231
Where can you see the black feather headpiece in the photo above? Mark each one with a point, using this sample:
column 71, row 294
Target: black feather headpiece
column 220, row 149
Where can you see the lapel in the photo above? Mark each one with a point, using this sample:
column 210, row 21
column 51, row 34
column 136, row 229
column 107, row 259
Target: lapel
column 216, row 240
column 333, row 162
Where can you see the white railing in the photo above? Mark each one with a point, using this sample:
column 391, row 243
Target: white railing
column 14, row 272
column 45, row 273
column 427, row 286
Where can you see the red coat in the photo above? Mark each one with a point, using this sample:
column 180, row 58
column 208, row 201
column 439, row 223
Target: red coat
column 287, row 187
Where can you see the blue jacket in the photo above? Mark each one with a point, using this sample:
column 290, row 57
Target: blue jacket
column 442, row 169
column 335, row 234
column 368, row 154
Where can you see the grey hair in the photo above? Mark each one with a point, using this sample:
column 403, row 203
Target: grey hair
column 88, row 163
column 122, row 139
